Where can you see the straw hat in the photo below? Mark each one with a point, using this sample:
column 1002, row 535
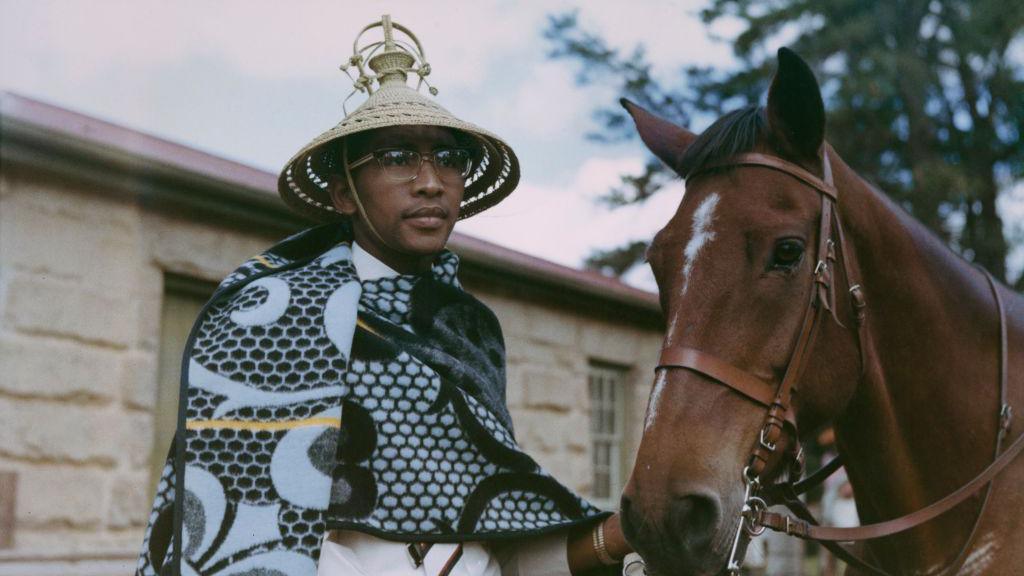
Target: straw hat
column 304, row 180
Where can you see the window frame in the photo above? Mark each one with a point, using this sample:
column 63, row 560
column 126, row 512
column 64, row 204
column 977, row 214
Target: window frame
column 184, row 291
column 612, row 380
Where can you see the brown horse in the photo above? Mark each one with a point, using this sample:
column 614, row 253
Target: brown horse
column 913, row 394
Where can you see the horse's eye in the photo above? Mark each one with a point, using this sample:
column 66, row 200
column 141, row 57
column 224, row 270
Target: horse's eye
column 787, row 253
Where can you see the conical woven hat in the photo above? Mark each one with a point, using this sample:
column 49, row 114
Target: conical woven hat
column 304, row 180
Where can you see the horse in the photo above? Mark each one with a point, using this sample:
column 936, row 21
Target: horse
column 904, row 360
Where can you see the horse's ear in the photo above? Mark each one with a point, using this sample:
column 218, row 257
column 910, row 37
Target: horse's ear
column 662, row 137
column 796, row 113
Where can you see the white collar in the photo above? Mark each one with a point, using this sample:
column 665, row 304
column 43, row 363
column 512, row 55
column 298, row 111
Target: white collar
column 368, row 266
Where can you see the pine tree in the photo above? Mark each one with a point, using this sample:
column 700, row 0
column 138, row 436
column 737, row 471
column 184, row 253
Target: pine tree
column 925, row 98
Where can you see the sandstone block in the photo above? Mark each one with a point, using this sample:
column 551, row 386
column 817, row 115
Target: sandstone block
column 552, row 326
column 135, row 443
column 545, row 432
column 573, row 471
column 129, row 501
column 139, row 379
column 576, row 425
column 148, row 299
column 71, row 495
column 509, row 313
column 57, row 369
column 47, row 305
column 610, row 343
column 648, row 350
column 534, row 432
column 199, row 249
column 558, row 390
column 527, row 351
column 88, row 238
column 543, row 324
column 61, row 431
column 116, row 551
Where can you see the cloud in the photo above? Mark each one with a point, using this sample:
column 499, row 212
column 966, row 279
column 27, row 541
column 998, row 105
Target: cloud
column 254, row 80
column 257, row 37
column 263, row 38
column 563, row 223
column 671, row 32
column 132, row 61
column 547, row 101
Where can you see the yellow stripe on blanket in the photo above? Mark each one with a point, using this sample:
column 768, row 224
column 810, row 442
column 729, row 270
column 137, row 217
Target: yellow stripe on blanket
column 251, row 425
column 259, row 258
column 365, row 326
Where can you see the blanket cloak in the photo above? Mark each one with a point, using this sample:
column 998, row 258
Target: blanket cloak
column 311, row 400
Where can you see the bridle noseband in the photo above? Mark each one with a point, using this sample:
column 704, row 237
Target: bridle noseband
column 779, row 427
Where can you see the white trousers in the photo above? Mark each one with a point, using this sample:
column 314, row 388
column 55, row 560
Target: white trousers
column 357, row 554
column 362, row 555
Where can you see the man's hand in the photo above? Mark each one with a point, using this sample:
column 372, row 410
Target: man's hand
column 583, row 555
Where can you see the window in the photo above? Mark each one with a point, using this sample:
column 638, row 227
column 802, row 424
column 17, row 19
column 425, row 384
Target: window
column 183, row 298
column 607, row 395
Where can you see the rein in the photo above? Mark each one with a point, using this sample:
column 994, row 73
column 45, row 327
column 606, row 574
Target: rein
column 777, row 442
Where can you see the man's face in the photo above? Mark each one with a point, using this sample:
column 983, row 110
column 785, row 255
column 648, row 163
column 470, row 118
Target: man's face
column 414, row 218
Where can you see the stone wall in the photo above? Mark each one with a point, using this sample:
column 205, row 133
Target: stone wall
column 81, row 284
column 549, row 350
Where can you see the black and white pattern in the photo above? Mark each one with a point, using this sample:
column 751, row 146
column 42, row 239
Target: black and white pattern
column 412, row 368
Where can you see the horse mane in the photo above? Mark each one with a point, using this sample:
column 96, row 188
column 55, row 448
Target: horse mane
column 735, row 133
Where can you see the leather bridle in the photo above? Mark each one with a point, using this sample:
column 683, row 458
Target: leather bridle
column 777, row 441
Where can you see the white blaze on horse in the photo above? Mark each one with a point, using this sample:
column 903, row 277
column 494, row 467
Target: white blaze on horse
column 798, row 296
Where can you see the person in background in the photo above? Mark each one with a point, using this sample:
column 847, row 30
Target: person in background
column 343, row 408
column 838, row 507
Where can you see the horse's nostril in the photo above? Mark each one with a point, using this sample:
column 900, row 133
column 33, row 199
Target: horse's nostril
column 694, row 517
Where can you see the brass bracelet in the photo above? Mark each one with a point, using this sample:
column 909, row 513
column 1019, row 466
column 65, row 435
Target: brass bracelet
column 601, row 547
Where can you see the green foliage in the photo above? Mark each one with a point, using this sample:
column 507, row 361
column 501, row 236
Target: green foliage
column 617, row 261
column 924, row 98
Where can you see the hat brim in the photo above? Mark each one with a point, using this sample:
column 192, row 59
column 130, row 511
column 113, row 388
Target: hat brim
column 304, row 182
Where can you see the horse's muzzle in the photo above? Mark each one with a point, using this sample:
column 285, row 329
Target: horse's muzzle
column 680, row 538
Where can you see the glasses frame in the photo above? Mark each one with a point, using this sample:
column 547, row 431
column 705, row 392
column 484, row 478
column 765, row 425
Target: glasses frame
column 419, row 167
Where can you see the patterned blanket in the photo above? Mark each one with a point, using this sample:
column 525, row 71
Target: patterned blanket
column 312, row 400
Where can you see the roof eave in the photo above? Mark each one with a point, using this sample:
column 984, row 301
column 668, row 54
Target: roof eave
column 173, row 177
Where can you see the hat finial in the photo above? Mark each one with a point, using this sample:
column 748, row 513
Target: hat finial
column 390, row 60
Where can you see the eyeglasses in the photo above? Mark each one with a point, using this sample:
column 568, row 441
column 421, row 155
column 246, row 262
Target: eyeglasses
column 402, row 165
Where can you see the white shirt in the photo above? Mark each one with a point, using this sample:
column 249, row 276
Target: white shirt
column 358, row 554
column 367, row 266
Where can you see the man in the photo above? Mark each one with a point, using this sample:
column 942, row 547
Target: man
column 343, row 411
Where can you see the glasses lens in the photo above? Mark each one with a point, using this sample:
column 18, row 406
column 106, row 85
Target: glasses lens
column 399, row 164
column 453, row 163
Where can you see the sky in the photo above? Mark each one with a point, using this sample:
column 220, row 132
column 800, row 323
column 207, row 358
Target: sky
column 255, row 80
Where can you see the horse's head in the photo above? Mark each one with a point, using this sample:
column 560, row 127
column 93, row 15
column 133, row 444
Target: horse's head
column 735, row 268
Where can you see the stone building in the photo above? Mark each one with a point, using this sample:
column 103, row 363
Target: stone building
column 110, row 240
